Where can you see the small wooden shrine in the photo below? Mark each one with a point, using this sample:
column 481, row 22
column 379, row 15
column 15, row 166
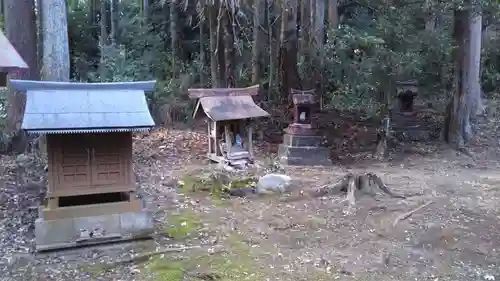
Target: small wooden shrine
column 228, row 112
column 301, row 145
column 10, row 60
column 91, row 194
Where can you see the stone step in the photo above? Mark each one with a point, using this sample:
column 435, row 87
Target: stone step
column 294, row 140
column 303, row 152
column 310, row 161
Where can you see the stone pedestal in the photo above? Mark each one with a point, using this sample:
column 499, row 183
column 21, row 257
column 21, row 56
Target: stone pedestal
column 90, row 230
column 303, row 151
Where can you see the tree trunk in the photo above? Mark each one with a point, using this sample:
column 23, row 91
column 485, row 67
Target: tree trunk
column 273, row 46
column 258, row 41
column 20, row 26
column 115, row 20
column 174, row 34
column 305, row 33
column 202, row 41
column 333, row 14
column 230, row 49
column 475, row 64
column 221, row 59
column 214, row 62
column 458, row 129
column 103, row 21
column 319, row 28
column 289, row 77
column 55, row 41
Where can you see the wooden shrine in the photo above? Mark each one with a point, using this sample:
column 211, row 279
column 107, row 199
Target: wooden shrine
column 228, row 112
column 10, row 60
column 91, row 194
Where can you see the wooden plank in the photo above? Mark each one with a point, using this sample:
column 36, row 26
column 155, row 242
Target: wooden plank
column 223, row 92
column 91, row 190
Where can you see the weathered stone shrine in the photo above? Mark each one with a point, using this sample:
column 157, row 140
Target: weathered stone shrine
column 10, row 60
column 406, row 93
column 91, row 196
column 228, row 113
column 301, row 145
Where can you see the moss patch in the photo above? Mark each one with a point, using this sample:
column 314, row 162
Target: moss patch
column 166, row 269
column 183, row 225
column 235, row 263
column 214, row 182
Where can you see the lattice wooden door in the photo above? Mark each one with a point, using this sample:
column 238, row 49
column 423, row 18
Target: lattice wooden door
column 107, row 160
column 74, row 158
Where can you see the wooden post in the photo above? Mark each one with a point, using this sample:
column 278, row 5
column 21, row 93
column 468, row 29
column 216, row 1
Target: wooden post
column 250, row 143
column 227, row 139
column 210, row 136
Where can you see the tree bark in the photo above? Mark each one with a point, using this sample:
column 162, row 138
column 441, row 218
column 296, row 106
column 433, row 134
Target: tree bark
column 221, row 58
column 213, row 10
column 55, row 41
column 103, row 20
column 115, row 20
column 289, row 77
column 458, row 130
column 333, row 14
column 202, row 41
column 174, row 34
column 258, row 41
column 230, row 49
column 20, row 26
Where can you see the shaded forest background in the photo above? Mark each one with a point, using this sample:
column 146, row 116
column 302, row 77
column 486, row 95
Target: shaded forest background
column 351, row 52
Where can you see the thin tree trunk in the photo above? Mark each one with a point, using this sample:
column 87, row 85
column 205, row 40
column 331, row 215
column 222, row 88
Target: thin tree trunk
column 55, row 41
column 272, row 46
column 258, row 41
column 23, row 38
column 305, row 36
column 103, row 23
column 115, row 19
column 212, row 18
column 202, row 42
column 289, row 76
column 230, row 49
column 333, row 14
column 319, row 28
column 174, row 33
column 221, row 59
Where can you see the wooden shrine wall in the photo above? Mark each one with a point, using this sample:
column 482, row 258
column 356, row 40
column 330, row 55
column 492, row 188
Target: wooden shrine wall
column 89, row 163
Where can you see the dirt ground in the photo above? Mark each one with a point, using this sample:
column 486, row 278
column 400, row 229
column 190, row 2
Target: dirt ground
column 456, row 237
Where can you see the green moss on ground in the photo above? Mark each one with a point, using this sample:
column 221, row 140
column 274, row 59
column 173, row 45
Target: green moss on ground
column 200, row 181
column 183, row 225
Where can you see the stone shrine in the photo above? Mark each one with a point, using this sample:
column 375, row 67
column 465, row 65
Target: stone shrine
column 301, row 145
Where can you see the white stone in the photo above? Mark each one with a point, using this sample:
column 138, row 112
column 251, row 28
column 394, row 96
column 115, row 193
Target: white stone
column 273, row 183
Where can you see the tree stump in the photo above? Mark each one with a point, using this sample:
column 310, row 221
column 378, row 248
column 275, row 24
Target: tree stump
column 352, row 184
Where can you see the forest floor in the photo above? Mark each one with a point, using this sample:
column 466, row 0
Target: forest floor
column 457, row 237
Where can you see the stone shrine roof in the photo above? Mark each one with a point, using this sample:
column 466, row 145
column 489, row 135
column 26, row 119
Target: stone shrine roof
column 227, row 103
column 66, row 107
column 10, row 60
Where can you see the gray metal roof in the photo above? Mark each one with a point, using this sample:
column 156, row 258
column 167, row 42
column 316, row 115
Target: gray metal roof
column 65, row 107
column 10, row 60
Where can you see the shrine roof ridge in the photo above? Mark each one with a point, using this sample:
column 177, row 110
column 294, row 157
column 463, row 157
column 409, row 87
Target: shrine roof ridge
column 221, row 104
column 63, row 107
column 30, row 85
